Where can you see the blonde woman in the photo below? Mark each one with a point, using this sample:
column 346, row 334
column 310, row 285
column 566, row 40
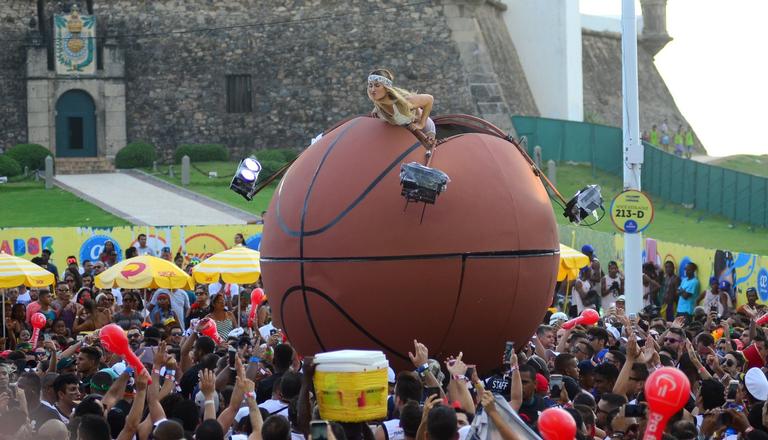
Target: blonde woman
column 400, row 107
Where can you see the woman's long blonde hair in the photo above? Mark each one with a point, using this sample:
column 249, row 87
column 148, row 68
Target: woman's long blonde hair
column 397, row 97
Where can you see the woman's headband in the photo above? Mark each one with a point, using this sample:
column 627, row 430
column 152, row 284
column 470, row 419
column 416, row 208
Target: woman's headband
column 380, row 79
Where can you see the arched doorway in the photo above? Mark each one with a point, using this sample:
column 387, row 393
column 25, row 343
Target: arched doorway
column 75, row 125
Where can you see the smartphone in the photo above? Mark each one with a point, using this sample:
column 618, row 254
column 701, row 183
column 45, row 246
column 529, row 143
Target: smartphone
column 470, row 372
column 429, row 391
column 733, row 387
column 232, row 353
column 634, row 411
column 713, row 308
column 633, row 316
column 46, row 336
column 273, row 331
column 509, row 348
column 318, row 430
column 555, row 385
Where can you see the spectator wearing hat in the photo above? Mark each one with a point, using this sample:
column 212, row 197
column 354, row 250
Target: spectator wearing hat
column 162, row 314
column 179, row 303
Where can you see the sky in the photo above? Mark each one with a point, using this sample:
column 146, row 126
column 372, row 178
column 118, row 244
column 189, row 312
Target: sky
column 716, row 68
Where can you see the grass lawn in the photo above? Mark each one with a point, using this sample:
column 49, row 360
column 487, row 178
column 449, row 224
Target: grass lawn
column 217, row 188
column 757, row 165
column 29, row 204
column 671, row 222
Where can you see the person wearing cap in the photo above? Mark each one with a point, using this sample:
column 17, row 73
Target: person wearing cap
column 179, row 301
column 557, row 319
column 589, row 251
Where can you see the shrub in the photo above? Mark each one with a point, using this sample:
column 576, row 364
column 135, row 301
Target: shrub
column 29, row 155
column 276, row 154
column 136, row 155
column 201, row 152
column 9, row 167
column 273, row 159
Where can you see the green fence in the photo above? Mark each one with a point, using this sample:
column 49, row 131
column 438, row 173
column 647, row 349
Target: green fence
column 738, row 196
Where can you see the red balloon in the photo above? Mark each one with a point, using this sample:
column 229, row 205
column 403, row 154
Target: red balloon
column 38, row 321
column 587, row 317
column 257, row 296
column 207, row 326
column 667, row 390
column 557, row 424
column 113, row 339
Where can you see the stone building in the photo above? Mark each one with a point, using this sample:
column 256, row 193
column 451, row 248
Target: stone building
column 249, row 74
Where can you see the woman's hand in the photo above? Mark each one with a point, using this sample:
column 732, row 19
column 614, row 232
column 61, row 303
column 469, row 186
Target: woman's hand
column 416, row 125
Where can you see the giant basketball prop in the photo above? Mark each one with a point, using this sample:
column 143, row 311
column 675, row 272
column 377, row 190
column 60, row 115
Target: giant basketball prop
column 347, row 265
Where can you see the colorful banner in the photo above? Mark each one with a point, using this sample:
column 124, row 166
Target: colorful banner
column 87, row 243
column 740, row 269
column 75, row 43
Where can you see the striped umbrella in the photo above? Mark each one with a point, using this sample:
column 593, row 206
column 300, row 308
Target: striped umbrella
column 15, row 271
column 571, row 261
column 239, row 265
column 142, row 272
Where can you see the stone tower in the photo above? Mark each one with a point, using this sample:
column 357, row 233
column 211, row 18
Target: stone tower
column 654, row 36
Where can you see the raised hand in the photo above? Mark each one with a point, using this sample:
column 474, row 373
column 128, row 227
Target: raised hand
column 487, row 401
column 141, row 381
column 207, row 383
column 456, row 366
column 422, row 354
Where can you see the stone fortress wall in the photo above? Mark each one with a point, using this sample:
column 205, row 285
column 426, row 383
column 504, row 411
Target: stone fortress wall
column 307, row 59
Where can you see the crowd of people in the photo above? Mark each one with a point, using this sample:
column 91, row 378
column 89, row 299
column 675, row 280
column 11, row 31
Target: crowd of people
column 681, row 142
column 254, row 385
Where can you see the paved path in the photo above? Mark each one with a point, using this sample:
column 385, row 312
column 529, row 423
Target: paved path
column 704, row 159
column 143, row 202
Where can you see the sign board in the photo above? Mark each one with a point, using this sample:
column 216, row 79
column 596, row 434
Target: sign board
column 631, row 211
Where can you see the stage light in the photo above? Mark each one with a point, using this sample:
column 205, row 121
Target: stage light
column 586, row 202
column 244, row 180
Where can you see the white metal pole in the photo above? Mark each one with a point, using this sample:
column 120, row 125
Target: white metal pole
column 633, row 153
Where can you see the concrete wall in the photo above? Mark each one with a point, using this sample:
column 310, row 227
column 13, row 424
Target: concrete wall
column 547, row 35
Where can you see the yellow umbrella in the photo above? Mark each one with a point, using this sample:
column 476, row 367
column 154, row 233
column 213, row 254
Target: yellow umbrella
column 239, row 265
column 15, row 271
column 144, row 272
column 571, row 261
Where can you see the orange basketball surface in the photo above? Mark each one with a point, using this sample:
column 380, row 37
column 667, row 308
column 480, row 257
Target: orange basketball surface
column 347, row 265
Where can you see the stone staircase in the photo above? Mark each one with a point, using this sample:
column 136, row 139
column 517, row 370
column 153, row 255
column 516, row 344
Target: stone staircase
column 83, row 165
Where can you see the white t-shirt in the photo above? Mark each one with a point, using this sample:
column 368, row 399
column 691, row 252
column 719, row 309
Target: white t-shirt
column 24, row 298
column 576, row 298
column 393, row 430
column 607, row 300
column 145, row 251
column 711, row 298
column 216, row 287
column 275, row 407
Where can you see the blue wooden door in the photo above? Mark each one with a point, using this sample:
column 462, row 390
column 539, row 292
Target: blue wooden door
column 75, row 125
